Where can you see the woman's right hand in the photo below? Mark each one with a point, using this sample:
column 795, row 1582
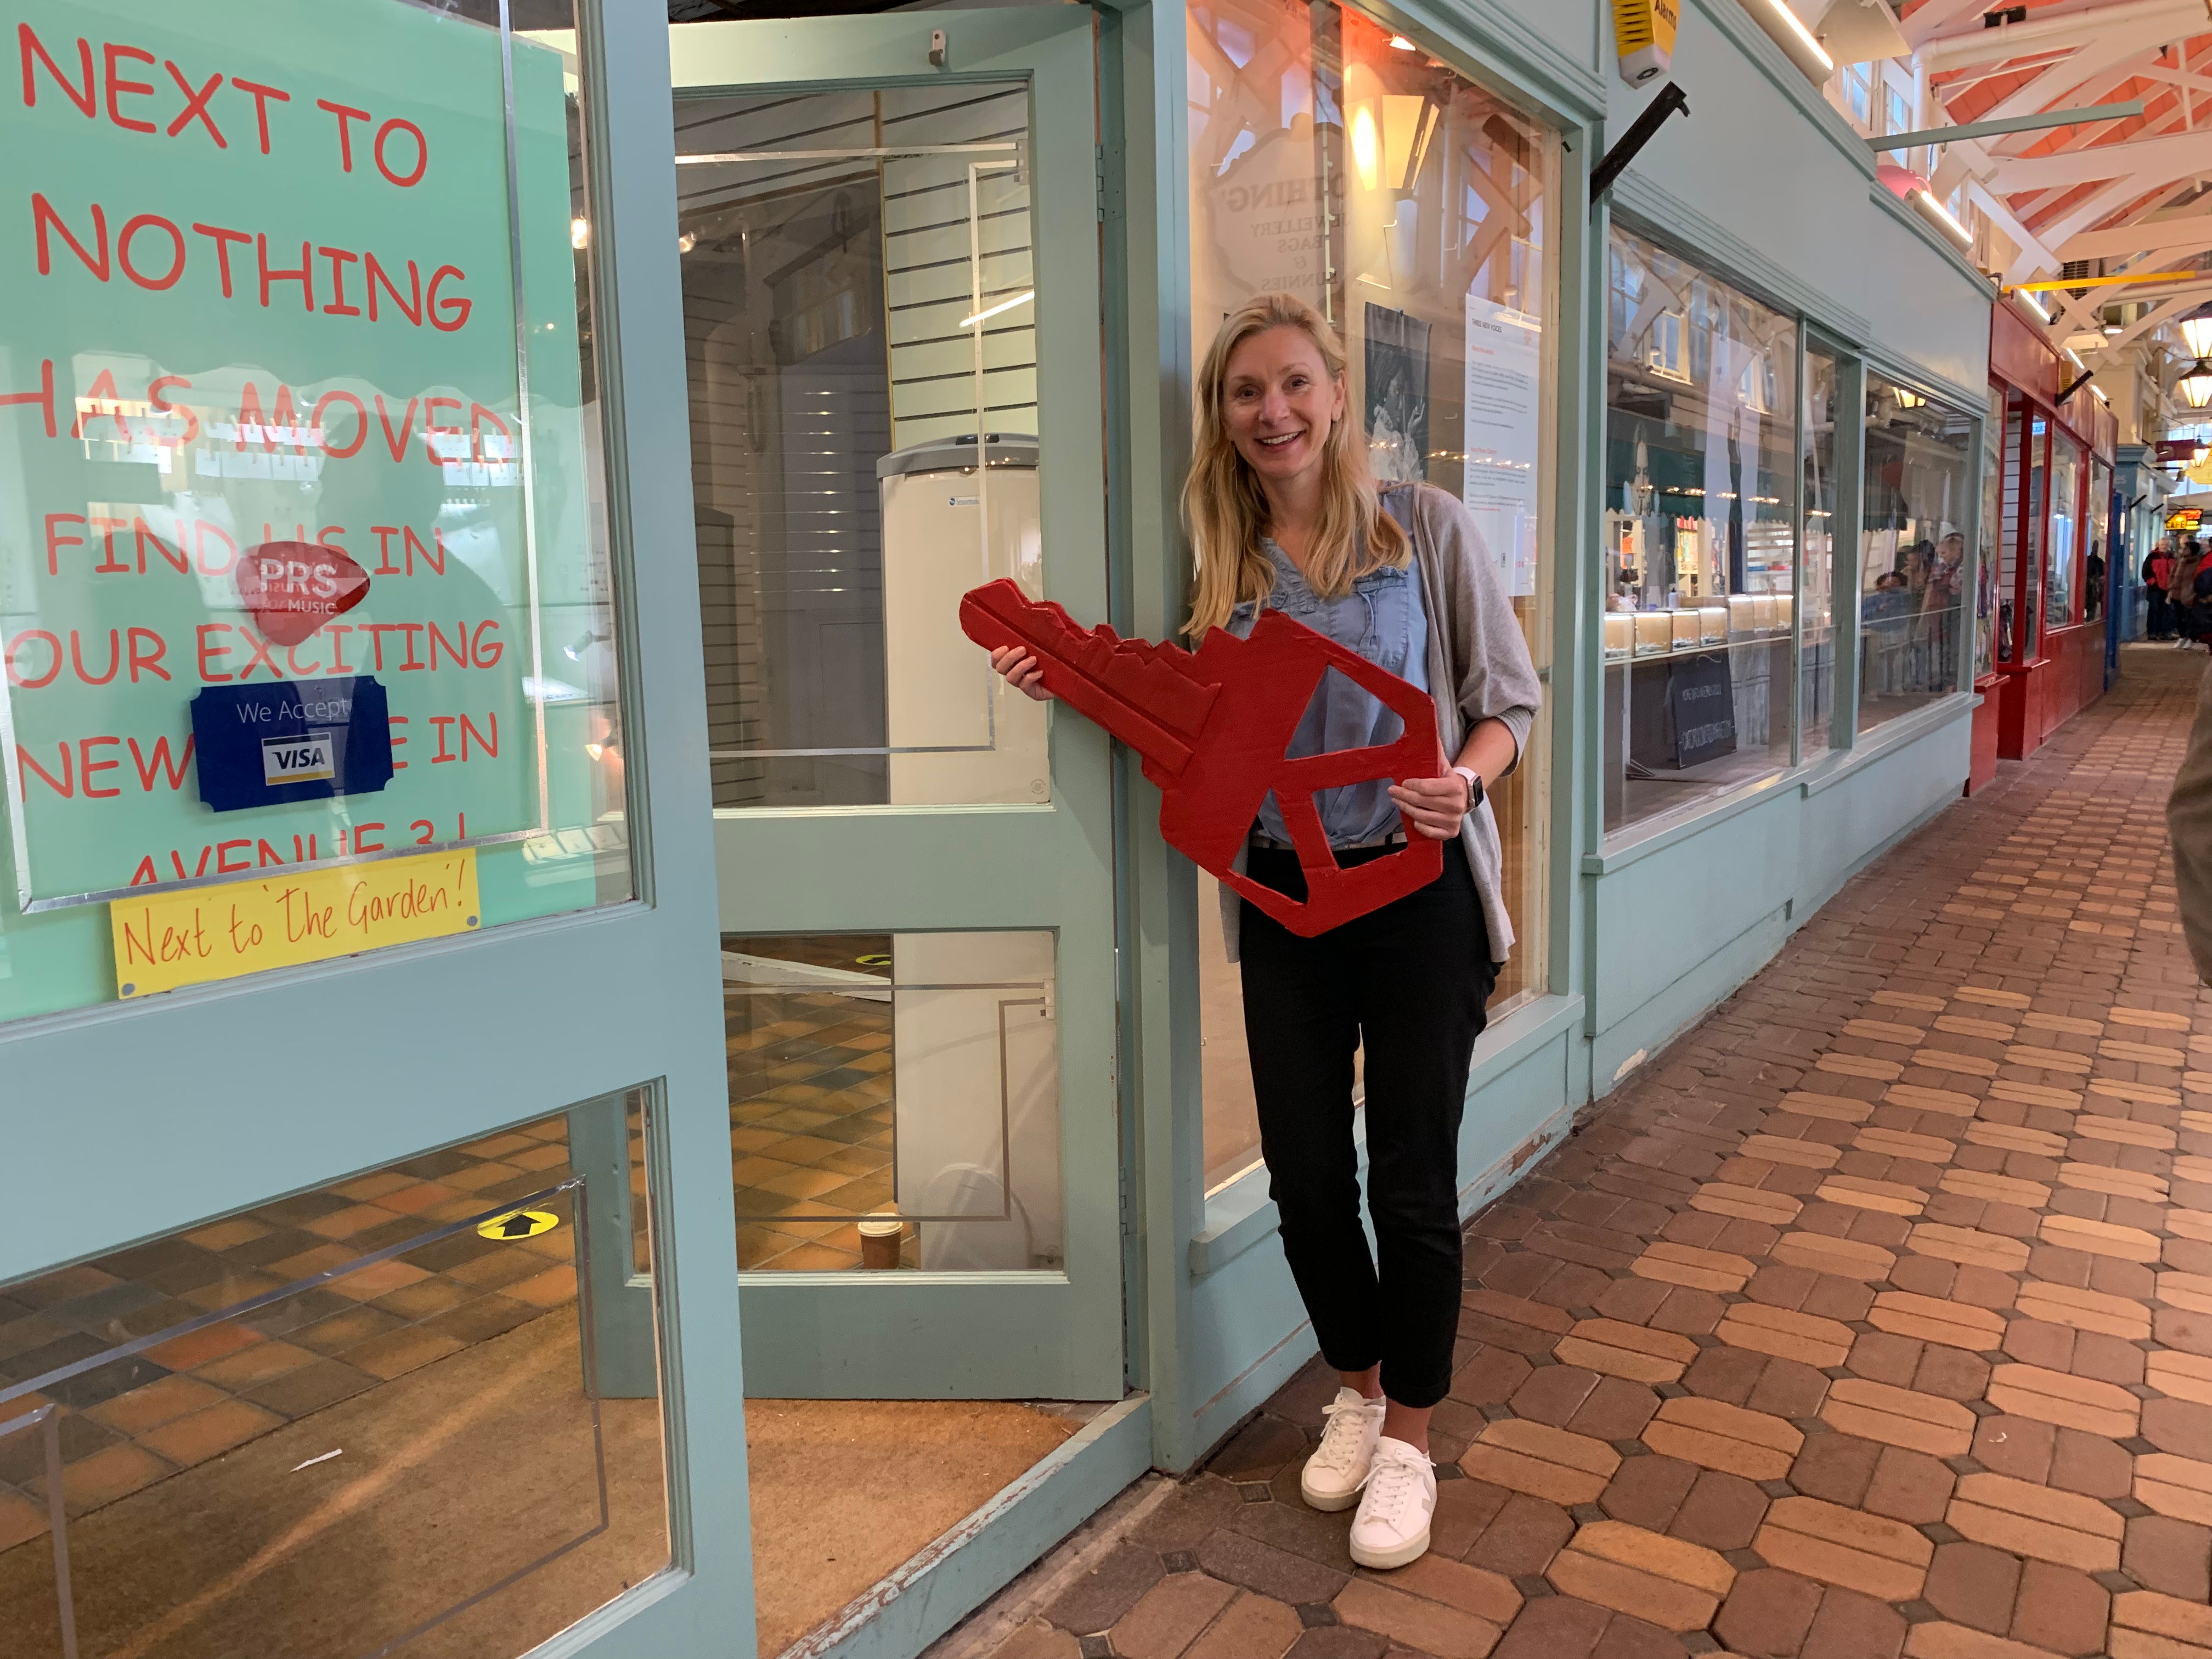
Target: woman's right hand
column 1022, row 672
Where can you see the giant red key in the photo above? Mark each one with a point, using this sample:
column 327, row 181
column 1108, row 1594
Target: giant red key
column 1213, row 728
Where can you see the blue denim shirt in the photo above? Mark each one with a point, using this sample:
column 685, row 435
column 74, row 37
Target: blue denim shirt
column 1383, row 620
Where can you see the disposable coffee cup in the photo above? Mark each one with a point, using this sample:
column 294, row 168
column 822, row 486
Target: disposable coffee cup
column 880, row 1237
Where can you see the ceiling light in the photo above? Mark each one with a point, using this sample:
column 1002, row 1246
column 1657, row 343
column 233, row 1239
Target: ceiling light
column 2194, row 385
column 1366, row 147
column 1400, row 43
column 1943, row 217
column 580, row 232
column 2196, row 329
column 1806, row 41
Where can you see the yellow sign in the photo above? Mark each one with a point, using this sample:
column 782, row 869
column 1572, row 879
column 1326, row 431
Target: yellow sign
column 519, row 1223
column 167, row 940
column 1644, row 36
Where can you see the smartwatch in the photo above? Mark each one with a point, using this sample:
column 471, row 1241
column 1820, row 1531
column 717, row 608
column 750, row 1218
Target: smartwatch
column 1475, row 790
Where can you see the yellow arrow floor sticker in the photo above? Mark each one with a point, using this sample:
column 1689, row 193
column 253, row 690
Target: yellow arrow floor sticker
column 519, row 1223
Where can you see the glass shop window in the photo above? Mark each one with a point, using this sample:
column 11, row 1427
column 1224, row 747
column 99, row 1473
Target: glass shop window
column 1995, row 494
column 1816, row 654
column 2067, row 532
column 2096, row 561
column 894, row 1101
column 305, row 606
column 1912, row 550
column 1333, row 159
column 1699, row 534
column 415, row 1412
column 2021, row 527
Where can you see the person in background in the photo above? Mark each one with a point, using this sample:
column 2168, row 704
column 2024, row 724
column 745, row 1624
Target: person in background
column 2093, row 573
column 1283, row 514
column 2188, row 822
column 2157, row 575
column 2181, row 595
column 1941, row 607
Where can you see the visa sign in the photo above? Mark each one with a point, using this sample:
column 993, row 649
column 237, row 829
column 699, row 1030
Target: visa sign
column 309, row 759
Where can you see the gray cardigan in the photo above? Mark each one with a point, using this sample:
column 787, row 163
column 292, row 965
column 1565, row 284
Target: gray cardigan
column 1479, row 670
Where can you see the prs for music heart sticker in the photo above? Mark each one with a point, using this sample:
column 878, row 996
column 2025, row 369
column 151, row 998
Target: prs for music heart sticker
column 292, row 589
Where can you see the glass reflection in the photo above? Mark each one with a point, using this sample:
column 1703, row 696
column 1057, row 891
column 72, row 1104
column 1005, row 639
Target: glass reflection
column 1701, row 510
column 1912, row 550
column 1414, row 210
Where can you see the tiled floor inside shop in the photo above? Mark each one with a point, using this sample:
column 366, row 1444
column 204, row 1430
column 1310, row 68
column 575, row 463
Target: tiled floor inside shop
column 810, row 1126
column 1874, row 1318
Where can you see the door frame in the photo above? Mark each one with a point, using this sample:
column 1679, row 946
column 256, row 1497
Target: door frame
column 973, row 1334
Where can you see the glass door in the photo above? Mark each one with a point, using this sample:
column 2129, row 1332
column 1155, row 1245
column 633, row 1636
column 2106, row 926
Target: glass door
column 364, row 1273
column 892, row 306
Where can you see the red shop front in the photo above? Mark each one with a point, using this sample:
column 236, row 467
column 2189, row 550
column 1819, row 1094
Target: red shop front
column 2039, row 656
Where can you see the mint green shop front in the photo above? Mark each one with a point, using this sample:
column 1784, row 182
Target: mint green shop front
column 1700, row 419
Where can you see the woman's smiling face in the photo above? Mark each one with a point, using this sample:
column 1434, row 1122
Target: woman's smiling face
column 1277, row 404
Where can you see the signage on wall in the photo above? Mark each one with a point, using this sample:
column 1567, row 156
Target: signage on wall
column 166, row 939
column 1503, row 401
column 1701, row 707
column 263, row 745
column 276, row 281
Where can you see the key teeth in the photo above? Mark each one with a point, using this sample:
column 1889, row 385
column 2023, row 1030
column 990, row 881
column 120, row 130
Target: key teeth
column 1160, row 679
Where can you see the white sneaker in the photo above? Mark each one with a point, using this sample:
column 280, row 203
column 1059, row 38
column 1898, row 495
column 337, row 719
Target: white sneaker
column 1337, row 1469
column 1392, row 1527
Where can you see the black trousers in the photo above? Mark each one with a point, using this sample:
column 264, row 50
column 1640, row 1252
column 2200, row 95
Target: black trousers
column 1410, row 981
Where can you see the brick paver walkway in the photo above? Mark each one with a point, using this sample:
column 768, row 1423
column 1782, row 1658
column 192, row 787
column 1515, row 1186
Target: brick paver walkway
column 1875, row 1319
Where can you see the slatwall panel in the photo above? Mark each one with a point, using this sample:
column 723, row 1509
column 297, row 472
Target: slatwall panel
column 786, row 420
column 929, row 283
column 824, row 303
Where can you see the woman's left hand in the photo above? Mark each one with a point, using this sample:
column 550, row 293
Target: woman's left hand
column 1436, row 806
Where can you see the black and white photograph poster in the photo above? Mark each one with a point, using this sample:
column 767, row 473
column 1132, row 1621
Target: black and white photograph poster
column 1397, row 395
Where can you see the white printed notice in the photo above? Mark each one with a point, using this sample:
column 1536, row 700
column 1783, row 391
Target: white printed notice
column 1504, row 383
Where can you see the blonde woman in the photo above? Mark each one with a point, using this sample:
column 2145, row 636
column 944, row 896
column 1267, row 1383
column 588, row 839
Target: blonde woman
column 1283, row 510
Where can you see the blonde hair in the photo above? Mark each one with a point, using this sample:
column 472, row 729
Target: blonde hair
column 1225, row 510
